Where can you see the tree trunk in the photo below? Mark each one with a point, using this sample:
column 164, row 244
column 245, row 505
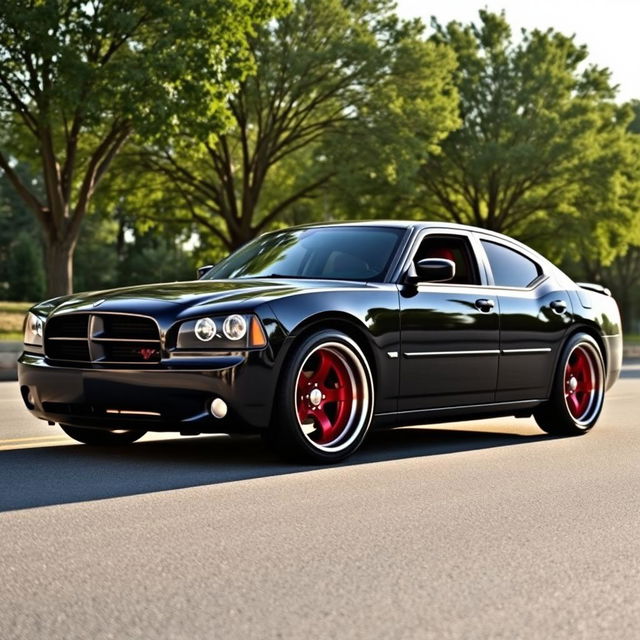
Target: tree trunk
column 239, row 236
column 59, row 265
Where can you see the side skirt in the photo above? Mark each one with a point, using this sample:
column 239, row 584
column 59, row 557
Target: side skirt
column 520, row 409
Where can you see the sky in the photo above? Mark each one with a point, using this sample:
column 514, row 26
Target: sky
column 611, row 29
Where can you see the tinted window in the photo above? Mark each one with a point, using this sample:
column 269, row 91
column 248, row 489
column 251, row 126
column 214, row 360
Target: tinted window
column 454, row 248
column 335, row 253
column 510, row 268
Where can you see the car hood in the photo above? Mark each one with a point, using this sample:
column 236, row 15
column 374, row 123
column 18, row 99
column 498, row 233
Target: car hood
column 179, row 296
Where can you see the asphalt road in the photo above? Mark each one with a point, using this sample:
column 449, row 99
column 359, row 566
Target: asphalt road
column 478, row 530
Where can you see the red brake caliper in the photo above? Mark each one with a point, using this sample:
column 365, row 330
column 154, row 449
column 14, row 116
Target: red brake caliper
column 325, row 396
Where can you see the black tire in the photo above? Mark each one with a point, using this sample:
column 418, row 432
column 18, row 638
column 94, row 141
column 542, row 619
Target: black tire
column 577, row 394
column 101, row 437
column 325, row 400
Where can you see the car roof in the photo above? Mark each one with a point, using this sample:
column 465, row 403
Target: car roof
column 420, row 225
column 406, row 224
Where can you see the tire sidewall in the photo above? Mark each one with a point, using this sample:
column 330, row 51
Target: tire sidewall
column 559, row 405
column 286, row 426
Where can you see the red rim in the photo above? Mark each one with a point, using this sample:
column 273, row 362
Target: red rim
column 580, row 383
column 324, row 396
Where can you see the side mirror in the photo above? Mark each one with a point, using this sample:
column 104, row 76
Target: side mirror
column 432, row 270
column 202, row 270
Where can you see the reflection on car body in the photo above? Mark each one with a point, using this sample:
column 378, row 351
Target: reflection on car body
column 312, row 335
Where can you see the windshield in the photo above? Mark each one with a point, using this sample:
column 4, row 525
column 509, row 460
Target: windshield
column 336, row 253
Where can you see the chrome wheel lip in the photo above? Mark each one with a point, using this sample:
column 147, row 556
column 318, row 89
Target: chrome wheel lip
column 362, row 403
column 596, row 370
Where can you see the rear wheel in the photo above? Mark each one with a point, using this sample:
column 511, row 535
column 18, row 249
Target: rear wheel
column 325, row 400
column 102, row 437
column 578, row 389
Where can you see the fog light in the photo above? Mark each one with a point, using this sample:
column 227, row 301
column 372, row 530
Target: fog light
column 218, row 408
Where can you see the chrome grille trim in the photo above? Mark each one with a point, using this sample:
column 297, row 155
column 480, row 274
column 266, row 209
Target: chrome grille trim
column 131, row 330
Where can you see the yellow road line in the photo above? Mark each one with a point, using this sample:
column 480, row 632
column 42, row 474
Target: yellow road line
column 9, row 444
column 32, row 438
column 34, row 445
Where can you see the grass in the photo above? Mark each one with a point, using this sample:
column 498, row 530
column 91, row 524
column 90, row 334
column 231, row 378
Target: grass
column 11, row 318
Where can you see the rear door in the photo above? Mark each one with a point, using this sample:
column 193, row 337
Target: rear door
column 535, row 313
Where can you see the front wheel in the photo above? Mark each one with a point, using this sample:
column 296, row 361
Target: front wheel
column 102, row 437
column 325, row 400
column 578, row 389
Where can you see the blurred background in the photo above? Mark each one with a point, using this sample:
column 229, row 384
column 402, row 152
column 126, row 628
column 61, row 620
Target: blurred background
column 140, row 140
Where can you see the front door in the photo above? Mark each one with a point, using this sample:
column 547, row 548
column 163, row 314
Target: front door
column 450, row 333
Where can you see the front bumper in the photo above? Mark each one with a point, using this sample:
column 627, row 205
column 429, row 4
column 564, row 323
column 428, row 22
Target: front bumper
column 160, row 399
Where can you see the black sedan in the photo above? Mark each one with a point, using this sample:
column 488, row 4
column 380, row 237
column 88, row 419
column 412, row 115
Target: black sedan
column 310, row 335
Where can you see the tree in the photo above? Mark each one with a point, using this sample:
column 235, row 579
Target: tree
column 24, row 269
column 78, row 78
column 623, row 274
column 19, row 227
column 115, row 251
column 543, row 148
column 339, row 84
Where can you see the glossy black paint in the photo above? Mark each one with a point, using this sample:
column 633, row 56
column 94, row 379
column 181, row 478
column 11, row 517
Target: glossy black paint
column 438, row 321
column 437, row 350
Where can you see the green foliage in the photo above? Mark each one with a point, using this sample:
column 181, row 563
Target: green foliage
column 24, row 269
column 18, row 227
column 113, row 253
column 78, row 77
column 346, row 98
column 634, row 125
column 160, row 64
column 543, row 153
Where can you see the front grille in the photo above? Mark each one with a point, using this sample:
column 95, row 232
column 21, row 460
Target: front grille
column 72, row 326
column 129, row 327
column 102, row 338
column 77, row 350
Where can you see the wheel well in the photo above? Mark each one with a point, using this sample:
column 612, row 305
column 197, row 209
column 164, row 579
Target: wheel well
column 328, row 321
column 346, row 326
column 593, row 333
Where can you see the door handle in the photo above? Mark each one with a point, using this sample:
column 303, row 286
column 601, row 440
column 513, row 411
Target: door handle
column 558, row 306
column 484, row 304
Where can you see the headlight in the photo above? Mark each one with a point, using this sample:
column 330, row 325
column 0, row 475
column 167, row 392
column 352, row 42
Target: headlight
column 33, row 330
column 205, row 329
column 224, row 333
column 235, row 327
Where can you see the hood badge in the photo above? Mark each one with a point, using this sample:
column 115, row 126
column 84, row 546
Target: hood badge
column 97, row 303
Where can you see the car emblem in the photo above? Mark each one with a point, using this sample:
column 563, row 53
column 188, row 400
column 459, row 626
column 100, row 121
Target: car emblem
column 147, row 353
column 97, row 303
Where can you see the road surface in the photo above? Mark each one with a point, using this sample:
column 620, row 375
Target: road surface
column 485, row 529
